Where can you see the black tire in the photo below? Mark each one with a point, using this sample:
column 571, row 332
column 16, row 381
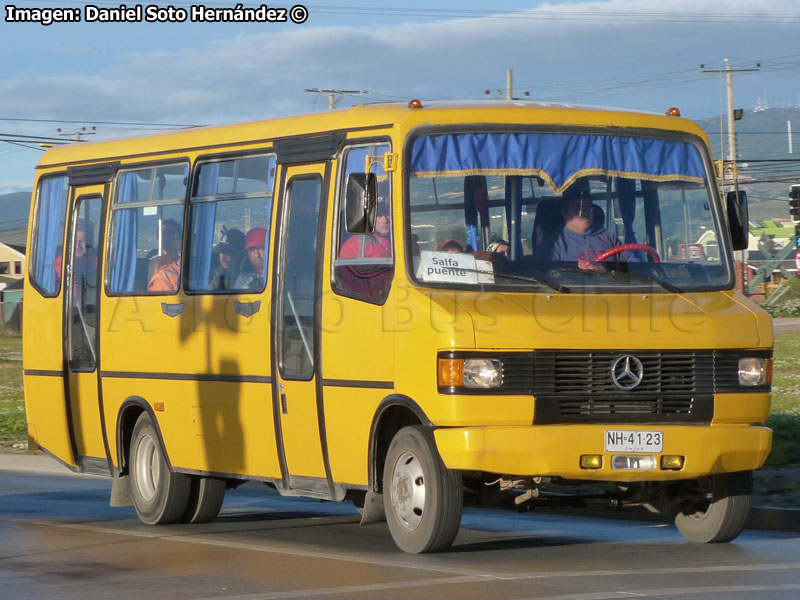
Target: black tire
column 721, row 518
column 159, row 495
column 422, row 499
column 205, row 499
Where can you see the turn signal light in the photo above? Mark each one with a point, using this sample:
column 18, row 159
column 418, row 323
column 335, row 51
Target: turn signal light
column 591, row 461
column 671, row 463
column 451, row 372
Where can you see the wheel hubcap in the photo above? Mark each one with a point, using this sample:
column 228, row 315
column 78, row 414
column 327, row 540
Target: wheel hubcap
column 147, row 467
column 408, row 490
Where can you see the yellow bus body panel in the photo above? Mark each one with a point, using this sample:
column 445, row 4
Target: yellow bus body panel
column 206, row 426
column 48, row 428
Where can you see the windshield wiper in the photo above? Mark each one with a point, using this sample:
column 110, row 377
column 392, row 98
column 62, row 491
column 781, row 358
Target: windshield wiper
column 534, row 279
column 614, row 274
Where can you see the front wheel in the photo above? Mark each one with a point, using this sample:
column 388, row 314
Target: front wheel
column 719, row 511
column 422, row 499
column 159, row 495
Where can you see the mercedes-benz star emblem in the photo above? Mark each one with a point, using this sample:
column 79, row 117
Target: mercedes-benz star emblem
column 627, row 372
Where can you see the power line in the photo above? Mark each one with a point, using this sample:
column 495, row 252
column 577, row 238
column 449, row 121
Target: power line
column 170, row 125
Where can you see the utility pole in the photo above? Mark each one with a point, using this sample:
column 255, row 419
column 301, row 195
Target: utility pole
column 509, row 88
column 732, row 147
column 731, row 127
column 332, row 99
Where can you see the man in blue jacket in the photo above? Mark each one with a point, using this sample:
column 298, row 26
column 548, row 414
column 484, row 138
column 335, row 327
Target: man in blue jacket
column 581, row 239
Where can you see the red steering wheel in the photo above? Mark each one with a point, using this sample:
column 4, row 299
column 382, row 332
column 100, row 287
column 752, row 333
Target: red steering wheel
column 617, row 249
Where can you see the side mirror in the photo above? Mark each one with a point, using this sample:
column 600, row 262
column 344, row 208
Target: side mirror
column 738, row 219
column 361, row 203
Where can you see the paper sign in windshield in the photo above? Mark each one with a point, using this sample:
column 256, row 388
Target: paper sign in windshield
column 451, row 267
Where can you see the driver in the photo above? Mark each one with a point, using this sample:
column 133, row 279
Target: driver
column 580, row 239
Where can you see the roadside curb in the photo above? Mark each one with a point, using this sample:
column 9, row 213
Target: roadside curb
column 761, row 517
column 773, row 519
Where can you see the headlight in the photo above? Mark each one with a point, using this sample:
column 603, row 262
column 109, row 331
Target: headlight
column 472, row 373
column 483, row 373
column 755, row 371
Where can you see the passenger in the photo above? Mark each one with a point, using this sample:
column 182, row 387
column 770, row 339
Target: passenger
column 451, row 246
column 499, row 246
column 167, row 266
column 372, row 280
column 84, row 272
column 377, row 245
column 232, row 243
column 580, row 239
column 251, row 277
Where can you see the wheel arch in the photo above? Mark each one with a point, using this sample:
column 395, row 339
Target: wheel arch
column 129, row 412
column 393, row 413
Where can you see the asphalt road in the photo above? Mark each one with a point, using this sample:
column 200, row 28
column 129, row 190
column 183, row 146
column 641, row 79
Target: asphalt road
column 60, row 539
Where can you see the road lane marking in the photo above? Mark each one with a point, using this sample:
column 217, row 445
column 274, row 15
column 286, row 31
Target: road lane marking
column 681, row 591
column 350, row 589
column 663, row 571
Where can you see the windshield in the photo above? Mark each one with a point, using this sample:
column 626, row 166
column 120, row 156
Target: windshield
column 562, row 211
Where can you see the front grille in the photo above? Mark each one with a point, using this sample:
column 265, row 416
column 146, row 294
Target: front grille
column 588, row 373
column 677, row 386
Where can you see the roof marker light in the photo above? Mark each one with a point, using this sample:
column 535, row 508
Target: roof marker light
column 415, row 104
column 674, row 112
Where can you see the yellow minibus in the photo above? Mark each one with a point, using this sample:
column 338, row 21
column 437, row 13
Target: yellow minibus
column 406, row 306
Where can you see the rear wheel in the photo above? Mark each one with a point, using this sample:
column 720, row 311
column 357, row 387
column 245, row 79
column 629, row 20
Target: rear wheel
column 720, row 510
column 422, row 499
column 205, row 499
column 159, row 495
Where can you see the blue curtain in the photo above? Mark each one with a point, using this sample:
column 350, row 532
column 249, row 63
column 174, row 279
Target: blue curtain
column 559, row 158
column 52, row 215
column 204, row 215
column 123, row 255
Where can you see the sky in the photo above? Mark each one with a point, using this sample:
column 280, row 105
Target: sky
column 135, row 78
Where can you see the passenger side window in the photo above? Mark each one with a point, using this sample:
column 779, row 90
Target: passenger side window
column 231, row 211
column 50, row 216
column 147, row 230
column 364, row 264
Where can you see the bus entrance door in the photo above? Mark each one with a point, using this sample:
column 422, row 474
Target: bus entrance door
column 82, row 288
column 298, row 401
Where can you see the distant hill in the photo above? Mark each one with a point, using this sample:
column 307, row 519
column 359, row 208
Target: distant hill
column 761, row 136
column 14, row 210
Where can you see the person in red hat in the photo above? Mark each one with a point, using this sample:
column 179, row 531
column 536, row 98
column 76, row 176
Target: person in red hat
column 251, row 277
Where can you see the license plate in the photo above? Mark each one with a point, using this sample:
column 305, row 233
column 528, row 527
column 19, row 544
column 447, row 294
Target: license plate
column 620, row 440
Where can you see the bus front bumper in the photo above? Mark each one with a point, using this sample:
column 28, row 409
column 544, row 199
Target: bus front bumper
column 555, row 450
